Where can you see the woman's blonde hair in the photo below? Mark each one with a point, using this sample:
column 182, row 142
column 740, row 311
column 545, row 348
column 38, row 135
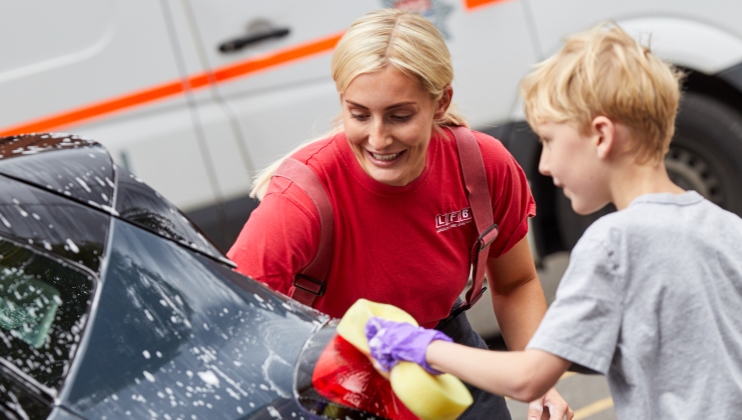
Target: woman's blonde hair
column 605, row 72
column 387, row 37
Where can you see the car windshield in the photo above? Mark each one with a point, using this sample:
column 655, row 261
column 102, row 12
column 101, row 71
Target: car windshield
column 43, row 306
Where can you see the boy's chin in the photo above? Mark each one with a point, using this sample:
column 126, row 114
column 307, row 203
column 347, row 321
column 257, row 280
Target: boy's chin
column 584, row 210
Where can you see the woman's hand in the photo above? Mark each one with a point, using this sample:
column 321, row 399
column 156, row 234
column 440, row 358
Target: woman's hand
column 550, row 407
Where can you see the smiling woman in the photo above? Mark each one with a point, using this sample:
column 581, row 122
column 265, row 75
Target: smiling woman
column 400, row 208
column 387, row 117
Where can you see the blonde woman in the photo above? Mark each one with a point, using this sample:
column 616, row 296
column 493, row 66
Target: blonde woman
column 403, row 230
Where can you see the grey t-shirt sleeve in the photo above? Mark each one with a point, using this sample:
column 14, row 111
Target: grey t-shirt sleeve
column 582, row 325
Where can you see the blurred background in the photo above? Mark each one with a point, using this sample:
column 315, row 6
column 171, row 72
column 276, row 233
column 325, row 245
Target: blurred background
column 196, row 96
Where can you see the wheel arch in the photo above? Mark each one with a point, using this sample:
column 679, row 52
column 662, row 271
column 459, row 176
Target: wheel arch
column 718, row 86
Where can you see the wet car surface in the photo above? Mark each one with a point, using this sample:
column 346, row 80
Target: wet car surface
column 114, row 305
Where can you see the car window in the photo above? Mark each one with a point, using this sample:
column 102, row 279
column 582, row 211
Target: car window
column 54, row 224
column 139, row 204
column 19, row 401
column 43, row 306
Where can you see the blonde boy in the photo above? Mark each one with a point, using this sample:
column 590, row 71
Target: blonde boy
column 653, row 292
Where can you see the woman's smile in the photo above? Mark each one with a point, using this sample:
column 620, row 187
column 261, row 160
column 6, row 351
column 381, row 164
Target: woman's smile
column 387, row 158
column 388, row 120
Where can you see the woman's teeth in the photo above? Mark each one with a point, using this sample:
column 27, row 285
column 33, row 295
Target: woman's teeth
column 385, row 157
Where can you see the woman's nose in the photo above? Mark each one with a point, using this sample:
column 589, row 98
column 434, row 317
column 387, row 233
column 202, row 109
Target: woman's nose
column 379, row 138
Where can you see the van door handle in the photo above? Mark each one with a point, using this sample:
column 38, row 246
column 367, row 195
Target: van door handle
column 242, row 42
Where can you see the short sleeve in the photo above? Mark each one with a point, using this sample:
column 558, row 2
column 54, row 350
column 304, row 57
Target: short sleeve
column 512, row 201
column 280, row 237
column 582, row 325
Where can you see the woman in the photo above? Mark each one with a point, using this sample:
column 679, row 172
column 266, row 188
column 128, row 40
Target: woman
column 392, row 174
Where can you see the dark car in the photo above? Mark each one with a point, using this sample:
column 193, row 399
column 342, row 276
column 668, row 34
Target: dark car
column 114, row 305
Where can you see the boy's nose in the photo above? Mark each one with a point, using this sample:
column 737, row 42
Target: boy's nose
column 543, row 165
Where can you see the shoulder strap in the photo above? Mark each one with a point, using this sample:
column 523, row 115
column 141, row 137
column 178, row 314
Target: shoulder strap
column 310, row 283
column 475, row 180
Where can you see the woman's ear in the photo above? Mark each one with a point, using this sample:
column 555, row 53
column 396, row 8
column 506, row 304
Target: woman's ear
column 604, row 132
column 444, row 102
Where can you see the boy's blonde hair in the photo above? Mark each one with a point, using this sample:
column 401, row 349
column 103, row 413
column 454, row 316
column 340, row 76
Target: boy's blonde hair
column 605, row 72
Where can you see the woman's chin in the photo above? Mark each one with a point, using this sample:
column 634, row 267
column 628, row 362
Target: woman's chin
column 387, row 176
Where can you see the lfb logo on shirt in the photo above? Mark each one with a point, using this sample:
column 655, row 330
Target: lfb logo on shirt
column 447, row 221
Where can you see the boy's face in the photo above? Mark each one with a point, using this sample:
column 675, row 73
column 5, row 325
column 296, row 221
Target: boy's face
column 572, row 160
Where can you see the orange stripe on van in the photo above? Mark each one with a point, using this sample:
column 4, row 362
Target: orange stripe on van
column 67, row 118
column 152, row 94
column 472, row 4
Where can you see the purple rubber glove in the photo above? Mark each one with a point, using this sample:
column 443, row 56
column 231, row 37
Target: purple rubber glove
column 391, row 342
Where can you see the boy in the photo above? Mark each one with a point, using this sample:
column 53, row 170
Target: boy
column 653, row 292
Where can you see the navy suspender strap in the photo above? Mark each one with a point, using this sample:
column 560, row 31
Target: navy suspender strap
column 310, row 283
column 475, row 180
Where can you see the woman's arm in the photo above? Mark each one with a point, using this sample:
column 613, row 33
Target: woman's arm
column 519, row 304
column 280, row 237
column 522, row 375
column 517, row 296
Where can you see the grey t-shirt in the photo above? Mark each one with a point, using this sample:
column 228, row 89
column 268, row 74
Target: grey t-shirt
column 652, row 298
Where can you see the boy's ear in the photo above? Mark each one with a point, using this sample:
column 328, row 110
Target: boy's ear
column 604, row 131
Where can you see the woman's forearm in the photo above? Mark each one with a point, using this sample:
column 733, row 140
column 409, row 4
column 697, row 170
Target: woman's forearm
column 519, row 312
column 517, row 296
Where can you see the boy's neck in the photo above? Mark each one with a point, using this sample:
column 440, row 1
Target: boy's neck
column 633, row 180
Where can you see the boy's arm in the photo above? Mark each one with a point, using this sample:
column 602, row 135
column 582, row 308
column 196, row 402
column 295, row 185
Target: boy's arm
column 522, row 375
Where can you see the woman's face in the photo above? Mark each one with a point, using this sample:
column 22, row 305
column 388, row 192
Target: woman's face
column 388, row 121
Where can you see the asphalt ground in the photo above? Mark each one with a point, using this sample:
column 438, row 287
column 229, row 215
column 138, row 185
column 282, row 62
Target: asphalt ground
column 588, row 395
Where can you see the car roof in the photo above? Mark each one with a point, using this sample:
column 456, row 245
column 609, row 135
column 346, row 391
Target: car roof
column 82, row 170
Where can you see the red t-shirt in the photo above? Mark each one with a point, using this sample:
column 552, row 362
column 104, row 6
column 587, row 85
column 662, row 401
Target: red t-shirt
column 407, row 246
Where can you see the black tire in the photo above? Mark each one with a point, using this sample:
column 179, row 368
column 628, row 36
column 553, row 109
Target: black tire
column 705, row 155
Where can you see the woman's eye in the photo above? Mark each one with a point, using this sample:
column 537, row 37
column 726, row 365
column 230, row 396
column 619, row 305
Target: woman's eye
column 401, row 118
column 360, row 117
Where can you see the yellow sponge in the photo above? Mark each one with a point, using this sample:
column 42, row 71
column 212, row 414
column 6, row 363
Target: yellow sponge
column 430, row 397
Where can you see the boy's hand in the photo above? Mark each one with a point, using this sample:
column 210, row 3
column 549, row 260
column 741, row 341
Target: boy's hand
column 550, row 407
column 391, row 342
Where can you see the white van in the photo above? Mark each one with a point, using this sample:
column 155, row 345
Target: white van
column 194, row 96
